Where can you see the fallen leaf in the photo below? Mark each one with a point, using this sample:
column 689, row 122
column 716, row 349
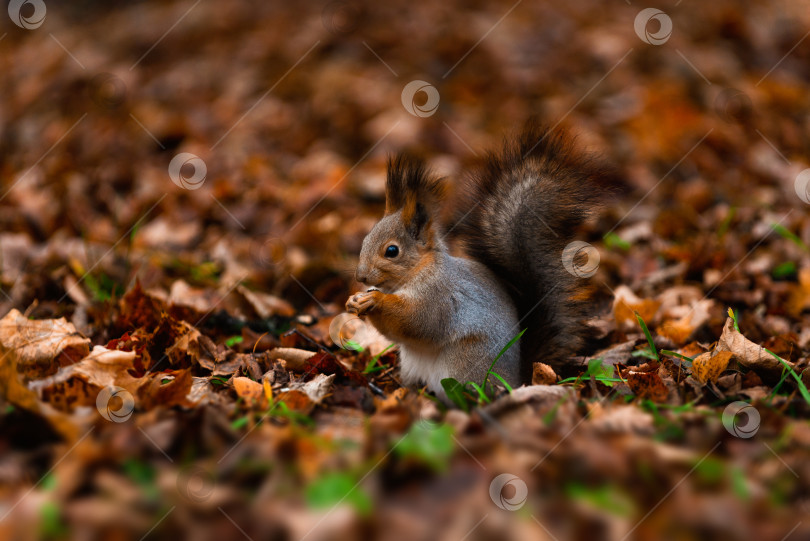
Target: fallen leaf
column 648, row 385
column 294, row 357
column 266, row 305
column 708, row 366
column 800, row 294
column 747, row 353
column 626, row 304
column 538, row 396
column 317, row 388
column 248, row 389
column 679, row 330
column 157, row 392
column 80, row 383
column 543, row 374
column 296, row 400
column 41, row 346
column 138, row 308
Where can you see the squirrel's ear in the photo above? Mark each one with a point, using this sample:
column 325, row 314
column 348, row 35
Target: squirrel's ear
column 411, row 188
column 417, row 220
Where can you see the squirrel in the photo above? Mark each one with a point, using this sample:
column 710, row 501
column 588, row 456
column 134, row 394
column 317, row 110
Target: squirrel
column 453, row 310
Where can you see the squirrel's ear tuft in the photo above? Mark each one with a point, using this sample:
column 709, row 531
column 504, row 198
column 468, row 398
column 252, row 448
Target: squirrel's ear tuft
column 411, row 187
column 409, row 180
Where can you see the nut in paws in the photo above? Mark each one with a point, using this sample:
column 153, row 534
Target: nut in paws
column 362, row 303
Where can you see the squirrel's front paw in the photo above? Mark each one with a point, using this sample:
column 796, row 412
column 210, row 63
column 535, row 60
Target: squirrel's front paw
column 362, row 303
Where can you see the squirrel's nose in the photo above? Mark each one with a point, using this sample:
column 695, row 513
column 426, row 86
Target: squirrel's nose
column 361, row 274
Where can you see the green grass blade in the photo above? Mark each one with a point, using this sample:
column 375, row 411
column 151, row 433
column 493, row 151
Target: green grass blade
column 504, row 350
column 678, row 355
column 648, row 335
column 455, row 392
column 505, row 384
column 481, row 394
column 802, row 387
column 371, row 366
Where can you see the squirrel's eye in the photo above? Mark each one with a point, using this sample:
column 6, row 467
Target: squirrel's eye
column 391, row 251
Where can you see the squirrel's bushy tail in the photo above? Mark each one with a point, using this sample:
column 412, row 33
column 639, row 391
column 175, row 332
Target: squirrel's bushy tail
column 517, row 216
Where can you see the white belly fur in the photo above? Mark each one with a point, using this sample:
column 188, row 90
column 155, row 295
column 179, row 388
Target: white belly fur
column 422, row 367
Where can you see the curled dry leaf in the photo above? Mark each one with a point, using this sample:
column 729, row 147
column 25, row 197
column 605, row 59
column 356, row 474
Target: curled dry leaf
column 746, row 352
column 708, row 366
column 80, row 383
column 317, row 388
column 543, row 374
column 294, row 357
column 41, row 346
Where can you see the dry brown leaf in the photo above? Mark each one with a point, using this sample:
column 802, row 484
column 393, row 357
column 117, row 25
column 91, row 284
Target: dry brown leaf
column 248, row 389
column 543, row 374
column 800, row 294
column 41, row 346
column 294, row 357
column 540, row 397
column 626, row 303
column 201, row 392
column 186, row 300
column 747, row 353
column 677, row 330
column 80, row 383
column 297, row 401
column 266, row 305
column 694, row 316
column 708, row 366
column 648, row 385
column 11, row 388
column 317, row 388
column 157, row 392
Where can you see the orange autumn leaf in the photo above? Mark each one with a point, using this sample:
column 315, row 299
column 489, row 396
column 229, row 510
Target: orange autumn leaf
column 676, row 330
column 708, row 366
column 297, row 400
column 248, row 389
column 648, row 385
column 626, row 304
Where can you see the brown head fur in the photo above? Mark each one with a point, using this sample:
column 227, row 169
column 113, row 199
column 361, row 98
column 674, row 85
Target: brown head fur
column 413, row 197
